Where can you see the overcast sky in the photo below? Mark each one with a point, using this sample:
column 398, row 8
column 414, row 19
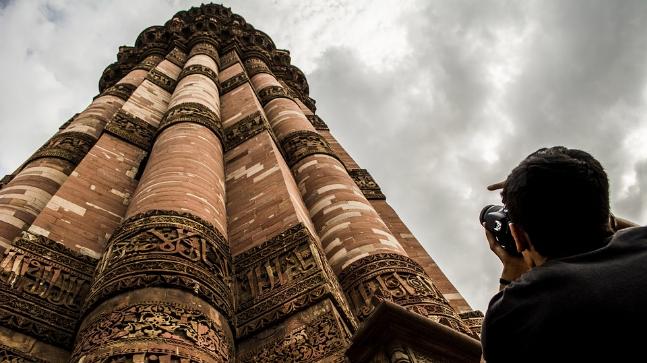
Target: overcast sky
column 437, row 99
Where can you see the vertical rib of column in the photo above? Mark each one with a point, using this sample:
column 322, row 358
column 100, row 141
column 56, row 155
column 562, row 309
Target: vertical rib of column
column 169, row 259
column 25, row 196
column 369, row 261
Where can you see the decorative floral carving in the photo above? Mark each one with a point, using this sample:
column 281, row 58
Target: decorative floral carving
column 192, row 112
column 228, row 60
column 71, row 146
column 366, row 183
column 166, row 248
column 11, row 355
column 245, row 129
column 161, row 80
column 299, row 144
column 233, row 82
column 311, row 342
column 199, row 69
column 474, row 320
column 207, row 49
column 121, row 90
column 267, row 94
column 149, row 63
column 317, row 122
column 396, row 278
column 170, row 323
column 132, row 129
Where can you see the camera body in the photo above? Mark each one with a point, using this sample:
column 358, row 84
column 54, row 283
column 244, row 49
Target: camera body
column 496, row 221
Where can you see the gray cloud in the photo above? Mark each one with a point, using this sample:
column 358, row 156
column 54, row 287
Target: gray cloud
column 436, row 99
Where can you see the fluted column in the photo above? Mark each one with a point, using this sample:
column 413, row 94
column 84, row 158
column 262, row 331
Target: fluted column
column 369, row 261
column 25, row 196
column 163, row 285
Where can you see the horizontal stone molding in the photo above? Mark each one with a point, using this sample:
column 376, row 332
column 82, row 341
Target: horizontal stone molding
column 148, row 63
column 11, row 355
column 246, row 128
column 202, row 70
column 228, row 60
column 317, row 122
column 121, row 90
column 207, row 49
column 282, row 276
column 161, row 80
column 267, row 94
column 132, row 129
column 193, row 112
column 255, row 66
column 232, row 83
column 42, row 288
column 300, row 144
column 162, row 248
column 177, row 57
column 396, row 278
column 366, row 183
column 71, row 146
column 136, row 329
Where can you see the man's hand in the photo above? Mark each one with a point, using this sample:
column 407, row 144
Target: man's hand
column 513, row 266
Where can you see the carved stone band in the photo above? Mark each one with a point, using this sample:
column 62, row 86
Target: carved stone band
column 12, row 355
column 71, row 146
column 283, row 275
column 255, row 66
column 245, row 129
column 121, row 90
column 132, row 129
column 166, row 249
column 177, row 57
column 161, row 80
column 474, row 320
column 317, row 122
column 148, row 63
column 44, row 284
column 200, row 69
column 228, row 60
column 193, row 112
column 168, row 329
column 232, row 83
column 207, row 49
column 399, row 279
column 299, row 144
column 365, row 182
column 269, row 93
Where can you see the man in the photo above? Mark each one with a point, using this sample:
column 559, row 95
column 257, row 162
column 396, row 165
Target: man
column 578, row 293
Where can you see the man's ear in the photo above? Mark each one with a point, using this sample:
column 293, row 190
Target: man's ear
column 521, row 239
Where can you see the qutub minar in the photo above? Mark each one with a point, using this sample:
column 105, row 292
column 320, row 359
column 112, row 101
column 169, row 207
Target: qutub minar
column 198, row 210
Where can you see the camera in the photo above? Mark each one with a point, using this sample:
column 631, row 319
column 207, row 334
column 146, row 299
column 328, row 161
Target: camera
column 496, row 221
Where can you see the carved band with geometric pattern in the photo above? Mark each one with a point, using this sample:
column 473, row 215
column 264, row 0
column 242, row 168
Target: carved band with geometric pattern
column 366, row 183
column 148, row 63
column 161, row 80
column 233, row 82
column 71, row 146
column 299, row 144
column 172, row 329
column 121, row 90
column 317, row 122
column 474, row 320
column 267, row 94
column 208, row 49
column 396, row 278
column 42, row 287
column 166, row 249
column 177, row 57
column 283, row 275
column 11, row 355
column 192, row 112
column 245, row 129
column 228, row 59
column 255, row 66
column 132, row 129
column 199, row 69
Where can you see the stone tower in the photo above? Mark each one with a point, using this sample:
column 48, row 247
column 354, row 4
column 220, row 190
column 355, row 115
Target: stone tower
column 198, row 210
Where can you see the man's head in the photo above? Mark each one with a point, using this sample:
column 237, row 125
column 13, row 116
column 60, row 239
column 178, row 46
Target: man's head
column 560, row 198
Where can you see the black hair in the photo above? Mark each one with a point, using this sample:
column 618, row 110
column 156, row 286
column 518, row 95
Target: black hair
column 560, row 197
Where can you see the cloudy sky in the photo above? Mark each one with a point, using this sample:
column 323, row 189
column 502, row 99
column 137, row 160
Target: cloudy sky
column 437, row 99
